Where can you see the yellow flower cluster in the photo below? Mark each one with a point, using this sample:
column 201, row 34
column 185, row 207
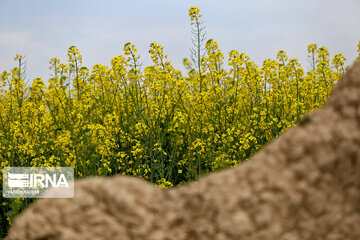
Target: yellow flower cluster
column 194, row 14
column 156, row 123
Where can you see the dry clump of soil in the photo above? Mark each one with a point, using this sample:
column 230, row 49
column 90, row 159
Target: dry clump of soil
column 303, row 185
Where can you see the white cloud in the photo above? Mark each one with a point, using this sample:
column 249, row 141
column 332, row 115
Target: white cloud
column 259, row 28
column 14, row 39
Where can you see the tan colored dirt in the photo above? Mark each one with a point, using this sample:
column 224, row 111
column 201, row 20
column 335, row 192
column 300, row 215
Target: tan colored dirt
column 304, row 185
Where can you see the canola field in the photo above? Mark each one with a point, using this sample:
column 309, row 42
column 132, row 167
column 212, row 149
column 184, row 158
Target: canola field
column 156, row 122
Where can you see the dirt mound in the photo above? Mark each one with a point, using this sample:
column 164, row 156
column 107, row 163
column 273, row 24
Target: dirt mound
column 303, row 185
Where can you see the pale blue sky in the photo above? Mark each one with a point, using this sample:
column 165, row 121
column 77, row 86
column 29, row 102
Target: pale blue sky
column 43, row 29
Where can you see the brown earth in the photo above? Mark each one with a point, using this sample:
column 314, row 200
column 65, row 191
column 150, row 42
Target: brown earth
column 303, row 185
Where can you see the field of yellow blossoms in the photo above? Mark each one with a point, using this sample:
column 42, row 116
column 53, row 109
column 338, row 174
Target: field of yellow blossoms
column 156, row 122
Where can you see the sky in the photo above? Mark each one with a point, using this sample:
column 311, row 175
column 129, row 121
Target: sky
column 43, row 29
